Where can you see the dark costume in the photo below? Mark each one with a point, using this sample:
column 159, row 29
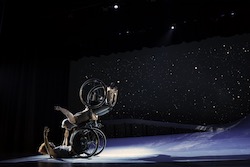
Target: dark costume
column 63, row 152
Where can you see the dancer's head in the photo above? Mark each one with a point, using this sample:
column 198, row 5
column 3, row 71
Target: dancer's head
column 112, row 85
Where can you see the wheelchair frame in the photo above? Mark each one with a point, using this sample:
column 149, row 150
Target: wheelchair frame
column 88, row 140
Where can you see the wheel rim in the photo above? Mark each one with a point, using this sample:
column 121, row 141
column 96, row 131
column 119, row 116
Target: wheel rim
column 88, row 88
column 102, row 141
column 85, row 142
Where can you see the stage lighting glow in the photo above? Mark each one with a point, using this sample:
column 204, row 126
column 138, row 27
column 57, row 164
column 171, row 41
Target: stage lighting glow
column 116, row 6
column 121, row 152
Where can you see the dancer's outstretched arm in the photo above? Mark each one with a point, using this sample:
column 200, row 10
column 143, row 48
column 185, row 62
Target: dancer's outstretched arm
column 49, row 149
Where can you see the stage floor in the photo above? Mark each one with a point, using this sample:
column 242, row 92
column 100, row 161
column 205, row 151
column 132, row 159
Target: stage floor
column 202, row 149
column 42, row 161
column 225, row 146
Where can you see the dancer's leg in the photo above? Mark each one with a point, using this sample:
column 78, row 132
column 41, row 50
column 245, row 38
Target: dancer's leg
column 67, row 113
column 66, row 136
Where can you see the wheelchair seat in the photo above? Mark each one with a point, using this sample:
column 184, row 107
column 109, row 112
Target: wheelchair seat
column 102, row 110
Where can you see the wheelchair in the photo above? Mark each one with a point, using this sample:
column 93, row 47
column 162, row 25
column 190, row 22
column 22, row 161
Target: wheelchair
column 88, row 139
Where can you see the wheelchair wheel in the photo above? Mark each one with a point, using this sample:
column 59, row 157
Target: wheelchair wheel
column 93, row 93
column 84, row 142
column 102, row 141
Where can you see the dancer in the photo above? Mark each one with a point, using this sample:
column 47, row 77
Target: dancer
column 79, row 117
column 112, row 94
column 54, row 152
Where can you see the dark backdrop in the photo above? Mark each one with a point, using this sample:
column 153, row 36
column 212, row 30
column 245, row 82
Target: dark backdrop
column 33, row 78
column 29, row 89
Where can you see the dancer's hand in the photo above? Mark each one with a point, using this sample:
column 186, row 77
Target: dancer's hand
column 46, row 129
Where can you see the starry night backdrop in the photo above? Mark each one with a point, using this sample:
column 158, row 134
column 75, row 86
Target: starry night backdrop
column 205, row 82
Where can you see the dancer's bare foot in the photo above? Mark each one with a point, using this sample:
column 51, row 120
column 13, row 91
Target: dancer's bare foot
column 57, row 108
